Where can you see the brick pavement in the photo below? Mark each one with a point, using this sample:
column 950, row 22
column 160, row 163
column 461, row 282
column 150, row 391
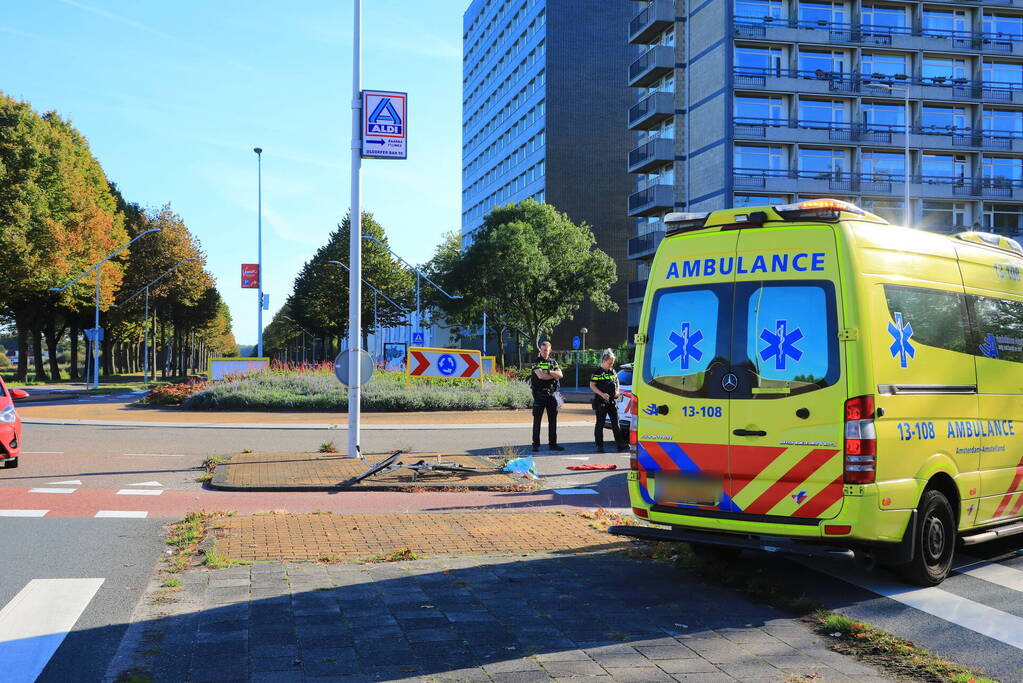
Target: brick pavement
column 319, row 471
column 348, row 537
column 594, row 616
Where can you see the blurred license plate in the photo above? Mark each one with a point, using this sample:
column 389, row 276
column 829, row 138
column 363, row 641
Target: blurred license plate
column 689, row 490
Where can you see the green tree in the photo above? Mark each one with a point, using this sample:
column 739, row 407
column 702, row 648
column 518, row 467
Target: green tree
column 530, row 268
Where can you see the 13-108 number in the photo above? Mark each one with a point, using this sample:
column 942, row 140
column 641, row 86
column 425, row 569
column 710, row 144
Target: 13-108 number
column 702, row 411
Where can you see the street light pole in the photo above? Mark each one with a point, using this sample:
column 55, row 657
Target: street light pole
column 97, row 268
column 355, row 243
column 259, row 245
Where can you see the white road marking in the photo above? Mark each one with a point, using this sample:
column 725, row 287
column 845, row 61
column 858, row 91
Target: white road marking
column 969, row 614
column 36, row 621
column 158, row 455
column 572, row 492
column 139, row 492
column 131, row 514
column 52, row 490
column 73, row 482
column 998, row 574
column 23, row 513
column 577, row 457
column 147, row 483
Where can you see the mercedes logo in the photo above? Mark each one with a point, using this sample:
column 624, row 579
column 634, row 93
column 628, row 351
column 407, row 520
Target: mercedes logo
column 729, row 382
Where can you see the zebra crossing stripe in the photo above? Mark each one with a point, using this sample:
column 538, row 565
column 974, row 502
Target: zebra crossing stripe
column 23, row 513
column 36, row 621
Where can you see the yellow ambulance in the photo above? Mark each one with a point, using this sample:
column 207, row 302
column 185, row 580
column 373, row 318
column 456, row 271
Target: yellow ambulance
column 811, row 379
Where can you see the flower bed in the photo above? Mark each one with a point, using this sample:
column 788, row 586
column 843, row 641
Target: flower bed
column 317, row 389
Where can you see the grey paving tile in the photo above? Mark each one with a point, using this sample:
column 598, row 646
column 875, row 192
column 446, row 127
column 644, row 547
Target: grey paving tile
column 565, row 669
column 639, row 674
column 512, row 665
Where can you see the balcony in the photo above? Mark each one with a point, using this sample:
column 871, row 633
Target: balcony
column 637, row 290
column 907, row 38
column 651, row 110
column 650, row 155
column 655, row 63
column 794, row 130
column 644, row 246
column 652, row 200
column 656, row 18
column 840, row 182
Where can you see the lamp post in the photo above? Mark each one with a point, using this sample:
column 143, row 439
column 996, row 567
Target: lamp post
column 145, row 333
column 259, row 245
column 891, row 90
column 419, row 276
column 95, row 333
column 304, row 333
column 376, row 293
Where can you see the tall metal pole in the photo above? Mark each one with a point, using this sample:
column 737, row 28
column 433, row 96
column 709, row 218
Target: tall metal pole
column 484, row 333
column 419, row 312
column 145, row 334
column 95, row 338
column 376, row 327
column 259, row 245
column 355, row 242
column 907, row 212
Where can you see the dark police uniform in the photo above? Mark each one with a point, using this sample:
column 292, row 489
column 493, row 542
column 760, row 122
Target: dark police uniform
column 544, row 400
column 607, row 382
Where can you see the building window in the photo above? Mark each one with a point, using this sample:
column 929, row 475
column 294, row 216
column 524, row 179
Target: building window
column 759, row 108
column 758, row 9
column 1003, row 72
column 884, row 64
column 829, row 62
column 940, row 68
column 1003, row 168
column 938, row 118
column 758, row 158
column 878, row 116
column 742, row 200
column 889, row 209
column 883, row 164
column 1003, row 122
column 943, row 22
column 822, row 111
column 944, row 167
column 823, row 162
column 1004, row 24
column 884, row 16
column 943, row 216
column 1004, row 218
column 758, row 59
column 822, row 12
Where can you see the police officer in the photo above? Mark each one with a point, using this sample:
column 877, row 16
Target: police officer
column 604, row 383
column 545, row 382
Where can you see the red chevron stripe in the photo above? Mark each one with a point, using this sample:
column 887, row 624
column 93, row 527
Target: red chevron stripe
column 822, row 501
column 659, row 456
column 421, row 363
column 1012, row 489
column 471, row 365
column 710, row 458
column 799, row 473
column 748, row 462
column 1016, row 508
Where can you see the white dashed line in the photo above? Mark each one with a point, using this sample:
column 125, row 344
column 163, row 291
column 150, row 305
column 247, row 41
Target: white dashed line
column 998, row 574
column 147, row 483
column 73, row 482
column 52, row 490
column 35, row 622
column 127, row 514
column 23, row 513
column 139, row 492
column 572, row 492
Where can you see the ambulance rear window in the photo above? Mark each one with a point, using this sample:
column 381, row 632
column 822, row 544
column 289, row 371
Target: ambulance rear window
column 687, row 333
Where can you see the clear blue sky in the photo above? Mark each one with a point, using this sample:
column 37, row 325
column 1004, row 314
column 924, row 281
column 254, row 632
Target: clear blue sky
column 173, row 97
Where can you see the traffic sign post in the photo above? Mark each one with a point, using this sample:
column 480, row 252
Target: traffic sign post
column 444, row 363
column 343, row 364
column 418, row 339
column 384, row 124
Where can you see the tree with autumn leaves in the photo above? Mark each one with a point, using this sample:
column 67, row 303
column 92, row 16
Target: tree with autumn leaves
column 60, row 214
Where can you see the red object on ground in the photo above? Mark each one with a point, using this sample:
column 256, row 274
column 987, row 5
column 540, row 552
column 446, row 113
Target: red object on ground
column 595, row 466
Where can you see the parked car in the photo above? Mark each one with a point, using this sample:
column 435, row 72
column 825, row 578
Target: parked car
column 626, row 402
column 10, row 425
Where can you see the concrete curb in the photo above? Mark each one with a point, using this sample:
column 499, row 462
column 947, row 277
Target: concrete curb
column 341, row 427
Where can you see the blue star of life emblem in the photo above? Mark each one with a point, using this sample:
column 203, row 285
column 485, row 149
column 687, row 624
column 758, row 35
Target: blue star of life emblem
column 446, row 364
column 781, row 344
column 685, row 346
column 901, row 332
column 990, row 346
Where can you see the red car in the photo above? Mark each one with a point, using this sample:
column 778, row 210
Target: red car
column 10, row 425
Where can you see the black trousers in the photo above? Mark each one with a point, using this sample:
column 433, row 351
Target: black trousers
column 607, row 410
column 550, row 405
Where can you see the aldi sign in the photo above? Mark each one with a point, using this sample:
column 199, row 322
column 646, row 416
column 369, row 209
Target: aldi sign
column 384, row 124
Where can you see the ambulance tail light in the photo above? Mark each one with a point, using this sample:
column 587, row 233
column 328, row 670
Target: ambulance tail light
column 860, row 441
column 633, row 450
column 817, row 209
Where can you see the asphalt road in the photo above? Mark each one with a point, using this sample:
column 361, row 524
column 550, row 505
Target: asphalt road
column 121, row 552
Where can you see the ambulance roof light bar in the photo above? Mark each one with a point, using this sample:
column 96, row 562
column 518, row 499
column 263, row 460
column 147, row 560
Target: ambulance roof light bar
column 992, row 240
column 677, row 222
column 822, row 209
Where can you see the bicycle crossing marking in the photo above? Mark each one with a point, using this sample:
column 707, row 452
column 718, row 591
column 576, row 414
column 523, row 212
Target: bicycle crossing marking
column 23, row 513
column 52, row 490
column 36, row 621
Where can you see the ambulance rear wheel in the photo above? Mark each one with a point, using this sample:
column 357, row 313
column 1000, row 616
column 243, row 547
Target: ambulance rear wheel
column 935, row 537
